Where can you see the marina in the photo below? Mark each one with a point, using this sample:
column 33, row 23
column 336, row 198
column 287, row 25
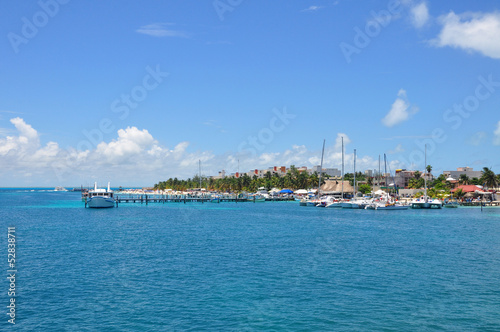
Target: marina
column 249, row 267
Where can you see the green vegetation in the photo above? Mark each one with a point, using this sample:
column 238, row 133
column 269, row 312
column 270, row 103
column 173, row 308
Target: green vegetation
column 365, row 189
column 293, row 179
column 489, row 179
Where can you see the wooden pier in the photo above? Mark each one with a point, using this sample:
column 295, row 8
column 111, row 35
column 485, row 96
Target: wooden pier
column 148, row 198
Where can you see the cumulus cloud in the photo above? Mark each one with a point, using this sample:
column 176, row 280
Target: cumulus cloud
column 400, row 110
column 131, row 141
column 135, row 157
column 419, row 15
column 161, row 30
column 338, row 141
column 496, row 139
column 479, row 32
column 27, row 141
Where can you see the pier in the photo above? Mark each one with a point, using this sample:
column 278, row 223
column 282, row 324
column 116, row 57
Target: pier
column 155, row 198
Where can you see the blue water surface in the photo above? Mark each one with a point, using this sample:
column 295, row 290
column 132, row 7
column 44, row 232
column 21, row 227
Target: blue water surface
column 272, row 266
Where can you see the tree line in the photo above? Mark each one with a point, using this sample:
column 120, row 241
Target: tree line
column 294, row 180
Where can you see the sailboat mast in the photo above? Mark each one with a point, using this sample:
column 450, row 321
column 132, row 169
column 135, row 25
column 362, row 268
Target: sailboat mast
column 321, row 167
column 378, row 176
column 199, row 170
column 425, row 173
column 342, row 167
column 354, row 172
column 385, row 173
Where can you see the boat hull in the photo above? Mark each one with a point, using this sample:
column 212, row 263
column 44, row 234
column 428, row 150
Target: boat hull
column 426, row 205
column 100, row 202
column 391, row 207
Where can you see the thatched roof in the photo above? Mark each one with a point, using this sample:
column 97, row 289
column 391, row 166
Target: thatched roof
column 336, row 186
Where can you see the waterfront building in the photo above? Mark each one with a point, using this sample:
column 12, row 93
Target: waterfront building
column 463, row 170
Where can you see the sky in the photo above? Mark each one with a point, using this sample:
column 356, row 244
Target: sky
column 138, row 92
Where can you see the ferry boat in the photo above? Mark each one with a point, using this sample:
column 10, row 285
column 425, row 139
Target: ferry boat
column 100, row 198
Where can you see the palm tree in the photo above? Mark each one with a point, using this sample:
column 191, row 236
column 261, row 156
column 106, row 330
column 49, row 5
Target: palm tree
column 428, row 168
column 463, row 179
column 459, row 193
column 489, row 178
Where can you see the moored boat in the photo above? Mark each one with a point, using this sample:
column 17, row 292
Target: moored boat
column 100, row 198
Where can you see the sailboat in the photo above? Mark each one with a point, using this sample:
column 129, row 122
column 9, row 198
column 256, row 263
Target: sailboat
column 425, row 202
column 320, row 202
column 355, row 202
column 317, row 201
column 388, row 203
column 338, row 203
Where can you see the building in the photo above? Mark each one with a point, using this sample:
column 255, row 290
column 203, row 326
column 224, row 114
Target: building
column 333, row 172
column 463, row 170
column 402, row 177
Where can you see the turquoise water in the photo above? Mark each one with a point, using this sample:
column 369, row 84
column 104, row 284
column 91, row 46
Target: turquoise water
column 249, row 267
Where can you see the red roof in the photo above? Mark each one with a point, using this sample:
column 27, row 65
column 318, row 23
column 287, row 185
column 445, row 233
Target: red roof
column 468, row 188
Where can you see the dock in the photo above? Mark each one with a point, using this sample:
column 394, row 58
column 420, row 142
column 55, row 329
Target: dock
column 154, row 198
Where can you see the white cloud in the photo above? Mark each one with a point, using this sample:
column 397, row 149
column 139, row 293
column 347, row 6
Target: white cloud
column 496, row 140
column 478, row 32
column 419, row 15
column 161, row 30
column 400, row 110
column 135, row 158
column 312, row 8
column 131, row 141
column 398, row 149
column 338, row 141
column 477, row 138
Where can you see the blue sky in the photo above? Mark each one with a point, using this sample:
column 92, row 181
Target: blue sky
column 135, row 93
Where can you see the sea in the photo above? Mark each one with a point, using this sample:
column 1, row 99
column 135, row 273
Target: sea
column 273, row 266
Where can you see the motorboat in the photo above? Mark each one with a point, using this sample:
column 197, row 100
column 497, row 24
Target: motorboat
column 426, row 202
column 100, row 198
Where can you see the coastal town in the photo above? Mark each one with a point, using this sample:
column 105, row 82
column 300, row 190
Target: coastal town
column 463, row 185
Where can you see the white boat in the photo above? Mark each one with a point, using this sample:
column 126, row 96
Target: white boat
column 100, row 198
column 452, row 204
column 256, row 198
column 325, row 201
column 426, row 202
column 336, row 203
column 58, row 188
column 390, row 206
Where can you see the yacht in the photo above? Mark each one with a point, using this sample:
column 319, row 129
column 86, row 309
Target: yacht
column 58, row 188
column 100, row 198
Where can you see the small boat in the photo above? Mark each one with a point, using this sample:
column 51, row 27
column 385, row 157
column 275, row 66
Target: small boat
column 336, row 203
column 451, row 204
column 426, row 203
column 256, row 198
column 391, row 206
column 58, row 188
column 100, row 198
